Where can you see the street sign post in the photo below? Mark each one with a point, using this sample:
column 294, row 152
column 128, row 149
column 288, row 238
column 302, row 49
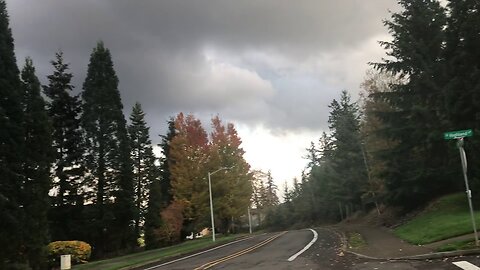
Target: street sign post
column 459, row 135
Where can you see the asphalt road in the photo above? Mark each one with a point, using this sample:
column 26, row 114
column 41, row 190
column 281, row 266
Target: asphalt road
column 272, row 251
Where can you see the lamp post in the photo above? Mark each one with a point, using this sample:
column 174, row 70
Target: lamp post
column 211, row 201
column 249, row 220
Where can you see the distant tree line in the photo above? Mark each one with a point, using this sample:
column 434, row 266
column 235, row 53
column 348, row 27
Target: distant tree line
column 389, row 147
column 72, row 168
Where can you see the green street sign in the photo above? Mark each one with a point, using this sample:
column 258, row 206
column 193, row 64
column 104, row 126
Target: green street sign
column 457, row 134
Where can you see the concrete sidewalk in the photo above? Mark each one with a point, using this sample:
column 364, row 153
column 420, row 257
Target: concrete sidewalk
column 381, row 243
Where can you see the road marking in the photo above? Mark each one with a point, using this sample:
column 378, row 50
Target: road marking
column 466, row 265
column 315, row 237
column 199, row 253
column 238, row 253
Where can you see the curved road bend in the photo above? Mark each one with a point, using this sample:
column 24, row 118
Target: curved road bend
column 272, row 251
column 267, row 251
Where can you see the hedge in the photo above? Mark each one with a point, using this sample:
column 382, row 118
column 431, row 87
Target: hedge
column 79, row 250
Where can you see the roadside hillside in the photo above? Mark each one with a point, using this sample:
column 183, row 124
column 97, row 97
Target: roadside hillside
column 443, row 218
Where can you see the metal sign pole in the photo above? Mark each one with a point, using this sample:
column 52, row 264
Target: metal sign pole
column 463, row 158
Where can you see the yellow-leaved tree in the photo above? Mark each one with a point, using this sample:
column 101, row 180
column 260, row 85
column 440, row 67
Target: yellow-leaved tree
column 231, row 188
column 189, row 154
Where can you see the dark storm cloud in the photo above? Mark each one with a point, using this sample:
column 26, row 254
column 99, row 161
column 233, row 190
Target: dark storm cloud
column 274, row 62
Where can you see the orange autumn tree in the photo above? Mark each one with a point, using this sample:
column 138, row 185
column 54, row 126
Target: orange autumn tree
column 192, row 156
column 189, row 154
column 169, row 232
column 232, row 188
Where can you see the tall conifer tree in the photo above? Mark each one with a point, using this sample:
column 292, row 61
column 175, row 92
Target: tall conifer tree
column 160, row 196
column 153, row 218
column 462, row 90
column 108, row 154
column 68, row 172
column 462, row 74
column 64, row 109
column 145, row 171
column 166, row 163
column 347, row 158
column 416, row 165
column 11, row 145
column 38, row 158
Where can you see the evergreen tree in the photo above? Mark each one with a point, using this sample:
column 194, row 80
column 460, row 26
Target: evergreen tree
column 326, row 147
column 322, row 182
column 313, row 156
column 347, row 158
column 166, row 163
column 287, row 193
column 417, row 164
column 153, row 218
column 144, row 169
column 108, row 154
column 160, row 194
column 38, row 157
column 258, row 189
column 64, row 110
column 463, row 60
column 271, row 197
column 11, row 146
column 462, row 84
column 264, row 192
column 316, row 182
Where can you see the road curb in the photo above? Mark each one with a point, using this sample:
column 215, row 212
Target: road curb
column 427, row 256
column 432, row 255
column 438, row 255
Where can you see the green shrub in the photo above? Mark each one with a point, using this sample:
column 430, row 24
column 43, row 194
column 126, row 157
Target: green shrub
column 79, row 250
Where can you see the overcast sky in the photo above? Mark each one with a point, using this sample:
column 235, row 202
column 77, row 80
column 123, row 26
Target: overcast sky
column 269, row 66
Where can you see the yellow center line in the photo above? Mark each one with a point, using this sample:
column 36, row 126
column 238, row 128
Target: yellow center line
column 239, row 253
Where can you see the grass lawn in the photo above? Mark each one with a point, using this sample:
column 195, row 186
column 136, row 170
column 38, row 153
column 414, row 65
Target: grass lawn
column 142, row 258
column 448, row 217
column 460, row 245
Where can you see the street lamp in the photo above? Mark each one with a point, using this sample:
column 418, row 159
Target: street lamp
column 211, row 201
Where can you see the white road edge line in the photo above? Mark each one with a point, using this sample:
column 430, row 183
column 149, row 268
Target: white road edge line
column 196, row 254
column 466, row 265
column 315, row 237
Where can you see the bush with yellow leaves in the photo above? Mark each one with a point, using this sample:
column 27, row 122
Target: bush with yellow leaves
column 79, row 250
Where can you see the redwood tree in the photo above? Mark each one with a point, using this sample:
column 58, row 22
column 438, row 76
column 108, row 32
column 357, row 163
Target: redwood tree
column 37, row 181
column 11, row 145
column 108, row 155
